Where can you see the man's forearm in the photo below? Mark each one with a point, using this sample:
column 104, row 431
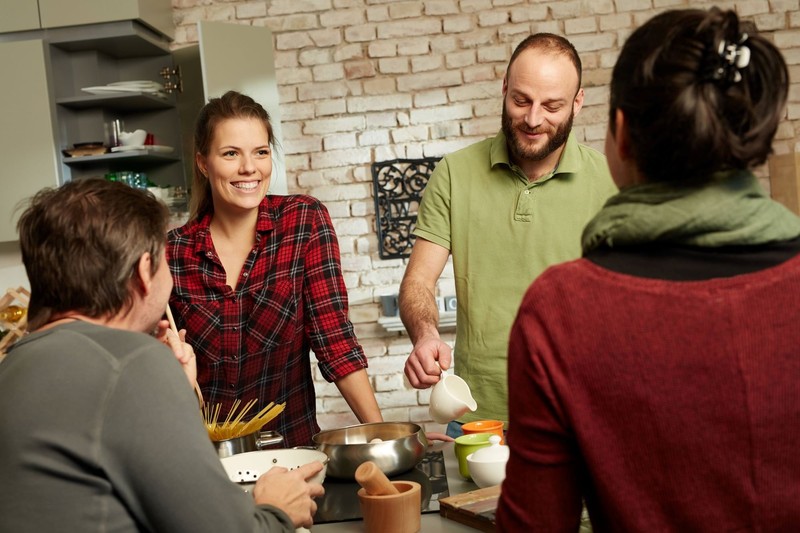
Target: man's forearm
column 418, row 310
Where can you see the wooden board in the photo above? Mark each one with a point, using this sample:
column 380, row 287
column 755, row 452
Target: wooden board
column 475, row 508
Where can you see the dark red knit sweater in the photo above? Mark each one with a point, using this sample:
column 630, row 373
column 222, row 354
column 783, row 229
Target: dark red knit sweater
column 667, row 405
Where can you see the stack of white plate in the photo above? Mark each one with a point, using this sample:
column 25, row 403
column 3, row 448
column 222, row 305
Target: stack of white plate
column 134, row 86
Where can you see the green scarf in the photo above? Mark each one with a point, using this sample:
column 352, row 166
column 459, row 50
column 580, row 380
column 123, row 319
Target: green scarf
column 732, row 209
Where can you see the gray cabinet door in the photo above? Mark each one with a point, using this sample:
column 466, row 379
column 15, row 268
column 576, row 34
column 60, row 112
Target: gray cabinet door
column 241, row 58
column 19, row 15
column 155, row 13
column 27, row 139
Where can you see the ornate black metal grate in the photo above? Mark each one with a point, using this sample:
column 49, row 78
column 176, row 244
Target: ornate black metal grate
column 398, row 186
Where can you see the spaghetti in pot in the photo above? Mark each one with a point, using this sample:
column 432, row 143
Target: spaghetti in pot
column 233, row 426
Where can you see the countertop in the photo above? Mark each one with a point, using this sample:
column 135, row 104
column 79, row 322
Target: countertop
column 431, row 522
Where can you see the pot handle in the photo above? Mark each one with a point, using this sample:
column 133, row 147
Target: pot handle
column 268, row 438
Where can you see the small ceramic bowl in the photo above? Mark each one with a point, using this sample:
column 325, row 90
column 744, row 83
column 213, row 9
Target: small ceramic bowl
column 484, row 426
column 133, row 138
column 467, row 444
column 487, row 466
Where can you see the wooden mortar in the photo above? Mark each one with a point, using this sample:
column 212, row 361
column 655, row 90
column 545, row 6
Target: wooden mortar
column 388, row 506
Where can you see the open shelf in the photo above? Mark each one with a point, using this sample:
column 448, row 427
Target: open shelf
column 118, row 102
column 123, row 39
column 140, row 156
column 447, row 321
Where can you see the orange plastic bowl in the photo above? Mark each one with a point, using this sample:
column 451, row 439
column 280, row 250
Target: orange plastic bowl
column 484, row 426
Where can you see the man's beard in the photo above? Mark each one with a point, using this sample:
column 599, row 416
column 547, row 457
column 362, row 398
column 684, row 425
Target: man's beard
column 520, row 152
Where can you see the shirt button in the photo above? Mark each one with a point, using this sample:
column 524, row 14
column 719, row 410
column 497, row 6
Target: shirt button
column 232, row 385
column 209, row 254
column 527, row 191
column 244, row 274
column 235, row 328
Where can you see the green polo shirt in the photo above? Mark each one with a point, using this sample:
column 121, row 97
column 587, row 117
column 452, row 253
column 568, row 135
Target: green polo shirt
column 502, row 232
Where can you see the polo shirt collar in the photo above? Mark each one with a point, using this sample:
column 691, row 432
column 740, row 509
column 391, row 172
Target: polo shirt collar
column 568, row 164
column 498, row 153
column 570, row 157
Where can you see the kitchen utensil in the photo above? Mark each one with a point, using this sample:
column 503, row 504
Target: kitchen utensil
column 247, row 443
column 111, row 131
column 484, row 426
column 487, row 466
column 174, row 328
column 137, row 83
column 132, row 138
column 157, row 148
column 102, row 90
column 373, row 480
column 246, row 468
column 402, row 445
column 392, row 513
column 87, row 148
column 467, row 444
column 450, row 399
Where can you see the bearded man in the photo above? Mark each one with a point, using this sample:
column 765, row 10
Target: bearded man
column 505, row 208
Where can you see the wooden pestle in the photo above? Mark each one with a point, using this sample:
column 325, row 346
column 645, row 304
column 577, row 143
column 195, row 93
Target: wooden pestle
column 374, row 481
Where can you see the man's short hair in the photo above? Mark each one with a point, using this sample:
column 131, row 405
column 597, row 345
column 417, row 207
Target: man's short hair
column 81, row 244
column 551, row 43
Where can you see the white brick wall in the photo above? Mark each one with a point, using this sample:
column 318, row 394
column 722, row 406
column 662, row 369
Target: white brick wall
column 369, row 80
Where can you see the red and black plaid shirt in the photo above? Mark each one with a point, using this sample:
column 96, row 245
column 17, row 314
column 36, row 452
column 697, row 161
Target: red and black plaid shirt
column 254, row 341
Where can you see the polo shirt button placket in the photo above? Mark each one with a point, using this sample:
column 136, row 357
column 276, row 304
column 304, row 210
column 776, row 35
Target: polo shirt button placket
column 524, row 205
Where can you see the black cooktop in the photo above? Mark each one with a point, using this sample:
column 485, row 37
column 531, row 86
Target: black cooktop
column 340, row 502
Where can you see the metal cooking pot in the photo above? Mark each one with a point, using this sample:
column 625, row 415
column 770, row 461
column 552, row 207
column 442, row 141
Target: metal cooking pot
column 247, row 443
column 394, row 446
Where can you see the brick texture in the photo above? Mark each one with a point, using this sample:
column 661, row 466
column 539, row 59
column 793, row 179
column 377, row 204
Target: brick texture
column 368, row 80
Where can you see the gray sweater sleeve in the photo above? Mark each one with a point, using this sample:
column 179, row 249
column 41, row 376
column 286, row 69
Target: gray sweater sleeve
column 160, row 460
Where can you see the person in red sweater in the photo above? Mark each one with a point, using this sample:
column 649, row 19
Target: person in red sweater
column 656, row 378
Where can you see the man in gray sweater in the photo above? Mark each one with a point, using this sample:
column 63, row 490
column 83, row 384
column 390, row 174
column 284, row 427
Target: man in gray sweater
column 99, row 429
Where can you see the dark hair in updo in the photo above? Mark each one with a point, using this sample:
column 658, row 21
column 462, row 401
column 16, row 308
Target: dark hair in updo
column 686, row 120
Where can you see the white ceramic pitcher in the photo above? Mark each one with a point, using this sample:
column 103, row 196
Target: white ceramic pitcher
column 450, row 399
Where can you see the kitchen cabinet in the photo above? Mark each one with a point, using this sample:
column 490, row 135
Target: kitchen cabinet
column 95, row 56
column 21, row 15
column 230, row 57
column 49, row 110
column 27, row 136
column 45, row 110
column 156, row 14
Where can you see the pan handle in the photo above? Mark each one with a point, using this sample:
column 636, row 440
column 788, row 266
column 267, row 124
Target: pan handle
column 268, row 438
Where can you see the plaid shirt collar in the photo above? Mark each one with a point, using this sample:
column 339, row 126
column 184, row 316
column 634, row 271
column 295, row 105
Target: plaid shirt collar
column 267, row 214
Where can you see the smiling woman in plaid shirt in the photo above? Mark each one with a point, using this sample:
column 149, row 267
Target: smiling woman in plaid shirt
column 258, row 283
